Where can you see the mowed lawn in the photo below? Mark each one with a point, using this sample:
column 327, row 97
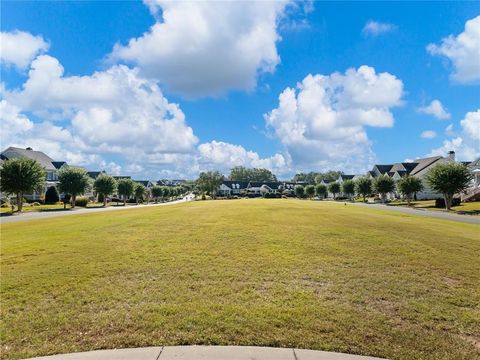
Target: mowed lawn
column 290, row 273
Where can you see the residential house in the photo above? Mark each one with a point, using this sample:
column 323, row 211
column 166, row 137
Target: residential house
column 51, row 167
column 231, row 187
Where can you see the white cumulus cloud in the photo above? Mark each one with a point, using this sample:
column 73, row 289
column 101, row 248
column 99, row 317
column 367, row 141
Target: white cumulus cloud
column 19, row 48
column 463, row 51
column 465, row 144
column 428, row 134
column 203, row 48
column 375, row 28
column 322, row 122
column 435, row 108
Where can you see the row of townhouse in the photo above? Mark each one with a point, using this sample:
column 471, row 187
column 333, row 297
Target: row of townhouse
column 52, row 168
column 419, row 168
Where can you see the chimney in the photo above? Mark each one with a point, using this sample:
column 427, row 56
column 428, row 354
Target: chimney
column 29, row 148
column 451, row 155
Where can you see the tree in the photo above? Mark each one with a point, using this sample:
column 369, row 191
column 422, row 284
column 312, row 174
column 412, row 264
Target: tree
column 157, row 192
column 383, row 185
column 449, row 179
column 74, row 181
column 209, row 182
column 310, row 191
column 334, row 188
column 348, row 188
column 51, row 195
column 139, row 191
column 125, row 189
column 299, row 191
column 408, row 185
column 241, row 173
column 20, row 177
column 363, row 186
column 166, row 192
column 105, row 185
column 321, row 190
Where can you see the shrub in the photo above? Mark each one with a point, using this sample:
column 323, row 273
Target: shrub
column 440, row 203
column 81, row 201
column 52, row 196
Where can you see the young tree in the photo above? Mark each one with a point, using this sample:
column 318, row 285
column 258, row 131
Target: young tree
column 209, row 182
column 51, row 195
column 105, row 185
column 157, row 192
column 299, row 191
column 449, row 179
column 20, row 177
column 166, row 192
column 363, row 186
column 408, row 185
column 334, row 188
column 348, row 188
column 321, row 191
column 73, row 181
column 310, row 191
column 383, row 185
column 125, row 189
column 139, row 192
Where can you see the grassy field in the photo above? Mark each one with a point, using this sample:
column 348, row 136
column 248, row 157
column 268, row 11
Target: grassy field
column 469, row 208
column 318, row 275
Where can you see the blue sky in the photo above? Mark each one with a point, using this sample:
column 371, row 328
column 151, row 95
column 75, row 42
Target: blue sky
column 226, row 80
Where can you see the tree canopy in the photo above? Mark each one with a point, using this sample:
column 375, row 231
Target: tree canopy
column 105, row 185
column 209, row 182
column 449, row 179
column 125, row 188
column 241, row 173
column 334, row 188
column 363, row 186
column 383, row 185
column 348, row 187
column 20, row 177
column 139, row 192
column 310, row 191
column 321, row 190
column 299, row 191
column 317, row 177
column 408, row 185
column 74, row 181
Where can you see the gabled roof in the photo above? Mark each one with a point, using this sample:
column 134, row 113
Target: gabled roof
column 95, row 174
column 274, row 185
column 116, row 177
column 18, row 153
column 346, row 177
column 232, row 184
column 58, row 164
column 382, row 169
column 424, row 163
column 404, row 166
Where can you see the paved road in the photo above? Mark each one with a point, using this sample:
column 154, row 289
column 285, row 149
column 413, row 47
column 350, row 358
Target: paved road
column 469, row 219
column 207, row 353
column 77, row 211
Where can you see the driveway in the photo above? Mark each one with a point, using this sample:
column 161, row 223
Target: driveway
column 77, row 211
column 468, row 219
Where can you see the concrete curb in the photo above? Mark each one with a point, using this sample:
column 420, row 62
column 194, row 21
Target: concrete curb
column 206, row 353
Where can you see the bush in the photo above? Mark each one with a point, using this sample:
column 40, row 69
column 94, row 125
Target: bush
column 36, row 203
column 52, row 196
column 440, row 203
column 81, row 201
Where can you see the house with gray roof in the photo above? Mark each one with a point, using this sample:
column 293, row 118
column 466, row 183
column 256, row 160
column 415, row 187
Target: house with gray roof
column 51, row 166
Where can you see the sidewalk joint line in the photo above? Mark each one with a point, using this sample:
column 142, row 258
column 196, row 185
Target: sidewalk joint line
column 160, row 353
column 294, row 354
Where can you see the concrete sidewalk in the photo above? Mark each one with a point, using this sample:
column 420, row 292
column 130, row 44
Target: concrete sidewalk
column 468, row 219
column 206, row 353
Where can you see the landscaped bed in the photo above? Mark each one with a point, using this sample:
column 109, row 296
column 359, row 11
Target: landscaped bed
column 309, row 274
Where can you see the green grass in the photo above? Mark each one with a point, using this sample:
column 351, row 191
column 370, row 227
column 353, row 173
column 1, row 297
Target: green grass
column 470, row 208
column 309, row 274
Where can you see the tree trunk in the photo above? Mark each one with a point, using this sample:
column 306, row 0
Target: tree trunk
column 364, row 198
column 124, row 200
column 19, row 202
column 74, row 197
column 408, row 200
column 104, row 200
column 448, row 201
